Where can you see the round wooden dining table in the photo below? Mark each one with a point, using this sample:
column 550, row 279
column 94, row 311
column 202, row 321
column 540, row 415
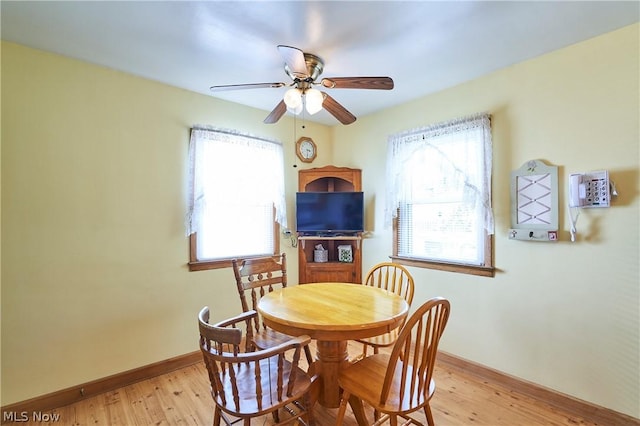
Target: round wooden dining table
column 332, row 314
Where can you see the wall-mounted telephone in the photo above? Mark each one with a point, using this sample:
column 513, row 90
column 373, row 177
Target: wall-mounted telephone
column 590, row 190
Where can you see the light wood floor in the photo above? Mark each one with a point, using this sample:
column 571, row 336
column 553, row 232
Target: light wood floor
column 183, row 398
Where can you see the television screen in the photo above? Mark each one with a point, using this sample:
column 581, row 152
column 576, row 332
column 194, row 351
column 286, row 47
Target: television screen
column 329, row 212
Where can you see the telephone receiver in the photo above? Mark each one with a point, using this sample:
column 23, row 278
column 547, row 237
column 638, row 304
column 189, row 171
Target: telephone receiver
column 590, row 189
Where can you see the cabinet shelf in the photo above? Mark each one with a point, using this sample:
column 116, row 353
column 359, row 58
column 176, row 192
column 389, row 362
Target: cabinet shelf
column 345, row 237
column 323, row 264
column 304, row 238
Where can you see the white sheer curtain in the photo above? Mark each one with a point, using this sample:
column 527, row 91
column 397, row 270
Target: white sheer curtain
column 236, row 180
column 460, row 150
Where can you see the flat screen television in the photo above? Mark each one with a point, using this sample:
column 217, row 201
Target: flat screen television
column 329, row 212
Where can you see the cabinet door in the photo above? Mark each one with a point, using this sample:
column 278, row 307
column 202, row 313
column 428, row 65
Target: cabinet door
column 330, row 273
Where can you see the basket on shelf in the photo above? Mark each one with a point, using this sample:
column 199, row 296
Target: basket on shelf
column 345, row 253
column 320, row 255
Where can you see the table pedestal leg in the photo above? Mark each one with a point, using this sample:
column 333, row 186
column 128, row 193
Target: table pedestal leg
column 332, row 356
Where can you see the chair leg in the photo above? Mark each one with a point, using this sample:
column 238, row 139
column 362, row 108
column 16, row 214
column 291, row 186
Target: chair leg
column 362, row 355
column 429, row 415
column 343, row 408
column 308, row 404
column 216, row 416
column 358, row 409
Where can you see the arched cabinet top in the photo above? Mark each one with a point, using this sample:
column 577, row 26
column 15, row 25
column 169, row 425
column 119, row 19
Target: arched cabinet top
column 330, row 179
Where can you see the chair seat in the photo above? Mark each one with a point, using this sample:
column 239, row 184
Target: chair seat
column 384, row 340
column 247, row 403
column 268, row 338
column 365, row 379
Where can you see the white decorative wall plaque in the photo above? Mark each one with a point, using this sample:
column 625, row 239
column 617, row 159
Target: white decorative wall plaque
column 534, row 202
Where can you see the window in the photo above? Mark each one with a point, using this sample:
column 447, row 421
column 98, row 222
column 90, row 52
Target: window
column 237, row 200
column 439, row 196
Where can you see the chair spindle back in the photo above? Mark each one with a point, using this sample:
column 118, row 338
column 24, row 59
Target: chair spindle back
column 256, row 277
column 391, row 277
column 414, row 353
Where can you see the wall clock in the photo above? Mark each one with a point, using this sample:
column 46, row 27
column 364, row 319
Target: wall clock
column 306, row 149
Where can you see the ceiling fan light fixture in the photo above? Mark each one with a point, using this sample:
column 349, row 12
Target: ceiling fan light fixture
column 313, row 100
column 295, row 111
column 293, row 99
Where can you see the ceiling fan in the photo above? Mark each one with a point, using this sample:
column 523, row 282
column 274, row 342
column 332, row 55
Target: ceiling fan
column 304, row 69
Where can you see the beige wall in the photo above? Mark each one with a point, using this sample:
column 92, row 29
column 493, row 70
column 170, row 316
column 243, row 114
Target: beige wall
column 94, row 277
column 564, row 315
column 94, row 195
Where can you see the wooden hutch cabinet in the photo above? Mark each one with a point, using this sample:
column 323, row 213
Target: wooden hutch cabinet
column 329, row 179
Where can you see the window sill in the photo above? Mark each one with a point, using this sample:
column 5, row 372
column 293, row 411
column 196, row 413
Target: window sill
column 203, row 265
column 484, row 271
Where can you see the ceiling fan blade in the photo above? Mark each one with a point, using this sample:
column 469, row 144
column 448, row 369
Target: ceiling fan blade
column 294, row 58
column 337, row 110
column 276, row 113
column 245, row 86
column 379, row 83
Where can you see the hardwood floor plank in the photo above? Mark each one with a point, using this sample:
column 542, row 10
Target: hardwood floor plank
column 182, row 397
column 190, row 391
column 119, row 411
column 145, row 406
column 92, row 413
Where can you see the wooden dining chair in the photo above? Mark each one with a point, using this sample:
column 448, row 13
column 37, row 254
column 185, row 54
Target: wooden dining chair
column 399, row 383
column 248, row 383
column 396, row 279
column 255, row 277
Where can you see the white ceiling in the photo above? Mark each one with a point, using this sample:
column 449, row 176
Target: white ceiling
column 425, row 46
